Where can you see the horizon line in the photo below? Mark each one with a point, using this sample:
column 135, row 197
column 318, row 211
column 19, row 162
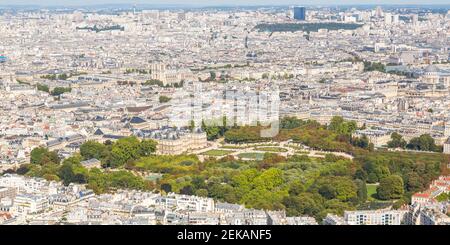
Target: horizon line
column 221, row 5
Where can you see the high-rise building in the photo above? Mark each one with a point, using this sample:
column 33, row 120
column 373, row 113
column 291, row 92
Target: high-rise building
column 387, row 18
column 395, row 18
column 300, row 13
column 414, row 19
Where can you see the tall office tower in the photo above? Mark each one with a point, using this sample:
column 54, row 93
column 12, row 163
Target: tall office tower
column 387, row 18
column 300, row 13
column 414, row 19
column 395, row 19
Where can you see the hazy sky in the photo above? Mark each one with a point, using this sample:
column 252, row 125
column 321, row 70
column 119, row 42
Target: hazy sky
column 218, row 2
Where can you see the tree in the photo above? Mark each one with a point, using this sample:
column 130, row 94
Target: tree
column 42, row 87
column 340, row 126
column 23, row 169
column 214, row 129
column 361, row 190
column 212, row 132
column 124, row 179
column 124, row 150
column 80, row 178
column 372, row 178
column 374, row 66
column 41, row 156
column 362, row 142
column 164, row 99
column 291, row 122
column 166, row 187
column 191, row 125
column 398, row 204
column 336, row 187
column 202, row 193
column 147, row 147
column 63, row 76
column 198, row 182
column 212, row 75
column 60, row 90
column 376, row 169
column 413, row 182
column 443, row 197
column 66, row 174
column 360, row 174
column 92, row 149
column 303, row 204
column 390, row 188
column 154, row 82
column 296, row 188
column 397, row 141
column 187, row 190
column 335, row 123
column 422, row 143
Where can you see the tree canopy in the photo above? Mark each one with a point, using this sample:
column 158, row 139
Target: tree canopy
column 390, row 187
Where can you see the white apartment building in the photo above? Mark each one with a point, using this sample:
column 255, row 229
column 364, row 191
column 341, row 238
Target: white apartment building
column 433, row 217
column 185, row 202
column 29, row 204
column 374, row 217
column 22, row 184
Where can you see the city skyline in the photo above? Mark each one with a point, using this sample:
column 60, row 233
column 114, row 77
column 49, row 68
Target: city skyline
column 262, row 115
column 220, row 2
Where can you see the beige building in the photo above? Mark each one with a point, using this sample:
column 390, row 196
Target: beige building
column 173, row 141
column 377, row 137
column 447, row 145
column 159, row 71
column 178, row 144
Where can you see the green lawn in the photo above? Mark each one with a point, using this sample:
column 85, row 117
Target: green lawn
column 154, row 177
column 372, row 192
column 302, row 152
column 296, row 147
column 271, row 149
column 217, row 153
column 252, row 155
column 232, row 147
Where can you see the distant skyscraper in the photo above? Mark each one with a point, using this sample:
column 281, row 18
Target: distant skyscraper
column 300, row 13
column 395, row 19
column 387, row 18
column 414, row 19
